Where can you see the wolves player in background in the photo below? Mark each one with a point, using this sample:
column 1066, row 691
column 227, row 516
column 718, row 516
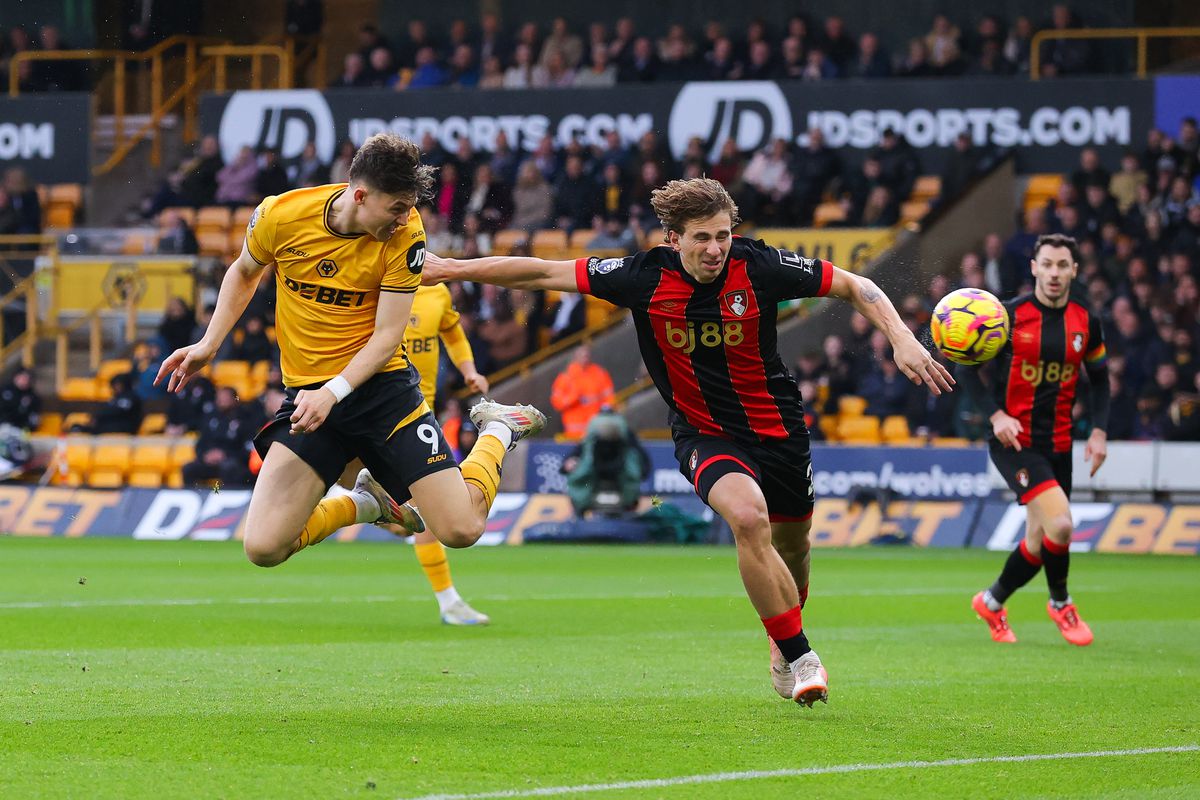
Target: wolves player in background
column 704, row 307
column 1054, row 338
column 348, row 263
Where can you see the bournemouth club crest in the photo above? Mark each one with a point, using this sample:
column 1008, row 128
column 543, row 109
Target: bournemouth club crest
column 1077, row 342
column 692, row 461
column 736, row 302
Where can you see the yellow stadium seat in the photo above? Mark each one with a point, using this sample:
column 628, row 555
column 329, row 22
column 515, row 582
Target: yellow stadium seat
column 234, row 239
column 182, row 452
column 598, row 310
column 1040, row 189
column 551, row 244
column 71, row 193
column 578, row 242
column 829, row 427
column 213, row 243
column 828, row 214
column 230, row 373
column 79, row 389
column 186, row 213
column 76, row 418
column 110, row 463
column 859, row 430
column 60, row 215
column 506, row 240
column 78, row 461
column 240, row 219
column 212, row 219
column 111, row 367
column 152, row 424
column 851, row 406
column 894, row 429
column 927, row 187
column 913, row 210
column 150, row 465
column 137, row 243
column 50, row 424
column 951, row 441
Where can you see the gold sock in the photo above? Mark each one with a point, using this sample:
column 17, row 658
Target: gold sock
column 331, row 514
column 481, row 468
column 432, row 558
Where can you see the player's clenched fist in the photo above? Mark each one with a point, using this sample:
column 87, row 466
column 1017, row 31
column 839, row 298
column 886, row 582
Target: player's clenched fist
column 312, row 409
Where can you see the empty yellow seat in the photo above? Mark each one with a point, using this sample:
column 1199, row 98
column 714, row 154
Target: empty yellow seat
column 894, row 429
column 110, row 463
column 79, row 389
column 152, row 424
column 913, row 210
column 183, row 452
column 828, row 214
column 550, row 244
column 859, row 430
column 212, row 219
column 50, row 424
column 851, row 406
column 150, row 465
column 927, row 187
column 506, row 240
column 76, row 462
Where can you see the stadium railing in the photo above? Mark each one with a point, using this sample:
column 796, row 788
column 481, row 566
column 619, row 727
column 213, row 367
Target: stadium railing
column 1142, row 36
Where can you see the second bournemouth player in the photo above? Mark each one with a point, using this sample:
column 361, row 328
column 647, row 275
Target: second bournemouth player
column 1054, row 339
column 704, row 306
column 348, row 260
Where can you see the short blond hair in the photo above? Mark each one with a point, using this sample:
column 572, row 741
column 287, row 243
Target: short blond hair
column 680, row 202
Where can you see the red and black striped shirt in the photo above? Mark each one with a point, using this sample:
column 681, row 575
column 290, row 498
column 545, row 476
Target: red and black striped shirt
column 711, row 349
column 1039, row 369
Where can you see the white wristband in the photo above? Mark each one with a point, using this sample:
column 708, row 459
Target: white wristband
column 339, row 386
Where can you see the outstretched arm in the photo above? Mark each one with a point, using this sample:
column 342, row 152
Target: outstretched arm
column 515, row 272
column 911, row 357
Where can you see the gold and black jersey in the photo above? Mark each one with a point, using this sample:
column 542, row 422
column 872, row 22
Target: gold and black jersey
column 433, row 319
column 328, row 283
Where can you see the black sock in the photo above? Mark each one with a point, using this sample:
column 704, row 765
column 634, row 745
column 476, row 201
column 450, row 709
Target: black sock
column 794, row 647
column 1018, row 570
column 1057, row 558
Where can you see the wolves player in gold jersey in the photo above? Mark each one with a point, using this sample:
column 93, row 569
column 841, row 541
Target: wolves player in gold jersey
column 348, row 260
column 433, row 321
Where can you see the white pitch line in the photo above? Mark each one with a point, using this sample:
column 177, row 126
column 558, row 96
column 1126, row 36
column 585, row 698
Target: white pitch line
column 837, row 769
column 541, row 598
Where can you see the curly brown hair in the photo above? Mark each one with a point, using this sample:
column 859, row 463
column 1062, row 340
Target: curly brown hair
column 392, row 165
column 681, row 202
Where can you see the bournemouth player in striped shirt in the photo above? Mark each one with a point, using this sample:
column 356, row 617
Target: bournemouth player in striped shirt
column 704, row 306
column 1054, row 339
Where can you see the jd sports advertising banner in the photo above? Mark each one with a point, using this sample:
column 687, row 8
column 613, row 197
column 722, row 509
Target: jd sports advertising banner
column 48, row 135
column 1045, row 121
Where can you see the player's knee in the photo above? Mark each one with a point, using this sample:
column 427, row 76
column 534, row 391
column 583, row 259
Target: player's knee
column 1058, row 528
column 749, row 521
column 261, row 555
column 462, row 534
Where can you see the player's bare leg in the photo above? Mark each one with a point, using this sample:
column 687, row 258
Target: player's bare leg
column 769, row 584
column 1052, row 511
column 794, row 547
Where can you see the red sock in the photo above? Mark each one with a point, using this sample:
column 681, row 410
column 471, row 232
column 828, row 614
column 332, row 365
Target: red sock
column 787, row 629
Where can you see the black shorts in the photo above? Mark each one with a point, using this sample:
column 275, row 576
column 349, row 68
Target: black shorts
column 783, row 468
column 1031, row 472
column 385, row 422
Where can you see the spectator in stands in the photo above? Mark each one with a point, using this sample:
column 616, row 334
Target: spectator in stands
column 381, row 71
column 254, row 345
column 960, row 168
column 492, row 75
column 614, row 193
column 881, row 209
column 9, row 219
column 464, row 71
column 186, row 409
column 429, row 73
column 20, row 405
column 620, row 49
column 721, row 63
column 492, row 41
column 303, row 17
column 1064, row 56
column 1099, row 209
column 760, row 64
column 990, row 63
column 575, row 201
column 418, row 37
column 860, row 185
column 369, row 39
column 730, row 166
column 568, row 316
column 520, row 74
column 840, row 373
column 1124, row 184
column 354, row 73
column 1090, row 171
column 178, row 322
column 224, row 445
column 502, row 333
column 615, row 236
column 23, row 199
column 872, row 60
column 1017, row 45
column 916, row 63
column 121, row 414
column 450, row 197
column 561, row 40
column 642, row 65
column 768, row 179
column 198, row 175
column 235, row 181
column 57, row 76
column 838, row 45
column 339, row 170
column 308, row 170
column 943, row 43
column 505, row 160
column 554, row 73
column 600, row 72
column 272, row 178
column 533, row 199
column 490, row 200
column 580, row 391
column 177, row 237
column 898, row 164
column 818, row 67
column 814, row 168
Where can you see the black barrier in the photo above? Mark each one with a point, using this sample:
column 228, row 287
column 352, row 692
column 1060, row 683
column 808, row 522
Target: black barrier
column 1044, row 122
column 49, row 135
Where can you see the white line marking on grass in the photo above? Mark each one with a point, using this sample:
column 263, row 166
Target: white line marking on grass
column 837, row 769
column 199, row 601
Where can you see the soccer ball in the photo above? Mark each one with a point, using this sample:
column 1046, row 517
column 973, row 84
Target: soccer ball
column 969, row 326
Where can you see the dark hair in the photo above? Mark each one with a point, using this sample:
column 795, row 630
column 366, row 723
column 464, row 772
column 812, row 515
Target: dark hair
column 1057, row 240
column 392, row 164
column 680, row 202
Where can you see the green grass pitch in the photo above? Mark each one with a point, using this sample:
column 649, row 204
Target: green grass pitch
column 179, row 670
